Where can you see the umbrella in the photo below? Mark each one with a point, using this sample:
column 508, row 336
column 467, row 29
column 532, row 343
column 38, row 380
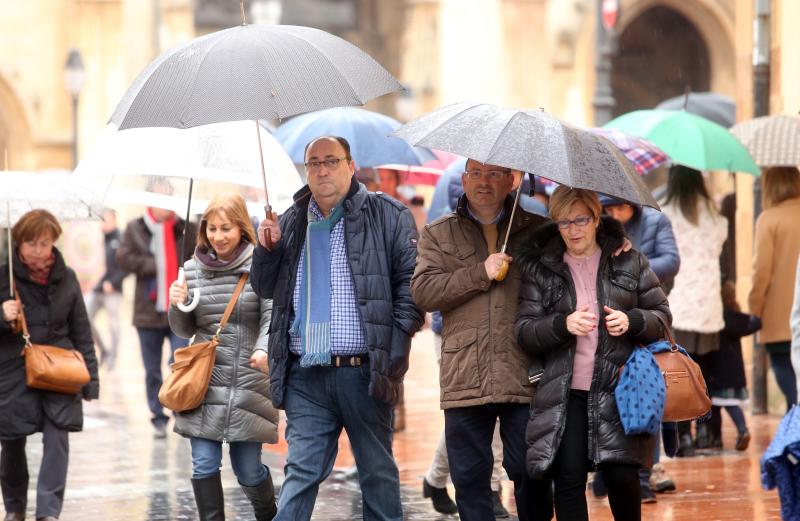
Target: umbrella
column 57, row 192
column 251, row 72
column 222, row 152
column 366, row 131
column 710, row 105
column 688, row 139
column 771, row 140
column 530, row 141
column 415, row 175
column 644, row 155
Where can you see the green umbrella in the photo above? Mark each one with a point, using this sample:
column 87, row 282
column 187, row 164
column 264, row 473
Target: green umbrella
column 688, row 139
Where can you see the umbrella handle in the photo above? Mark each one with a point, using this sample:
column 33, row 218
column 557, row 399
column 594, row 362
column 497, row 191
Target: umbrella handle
column 502, row 272
column 186, row 308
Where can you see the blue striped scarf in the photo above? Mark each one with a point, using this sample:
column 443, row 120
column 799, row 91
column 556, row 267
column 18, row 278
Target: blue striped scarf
column 313, row 322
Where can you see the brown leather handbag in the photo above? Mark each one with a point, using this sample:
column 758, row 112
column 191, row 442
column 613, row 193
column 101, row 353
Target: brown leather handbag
column 186, row 386
column 52, row 368
column 687, row 396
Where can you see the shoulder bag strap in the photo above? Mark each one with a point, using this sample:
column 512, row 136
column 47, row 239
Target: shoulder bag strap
column 231, row 303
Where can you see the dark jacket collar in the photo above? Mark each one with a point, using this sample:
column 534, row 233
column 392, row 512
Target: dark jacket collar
column 353, row 201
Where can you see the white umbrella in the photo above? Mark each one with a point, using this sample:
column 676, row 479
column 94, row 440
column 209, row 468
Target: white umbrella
column 220, row 152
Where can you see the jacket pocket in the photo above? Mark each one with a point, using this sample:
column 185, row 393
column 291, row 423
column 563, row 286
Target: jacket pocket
column 459, row 368
column 624, row 280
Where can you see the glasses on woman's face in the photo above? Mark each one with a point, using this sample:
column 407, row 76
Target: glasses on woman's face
column 580, row 221
column 330, row 164
column 489, row 175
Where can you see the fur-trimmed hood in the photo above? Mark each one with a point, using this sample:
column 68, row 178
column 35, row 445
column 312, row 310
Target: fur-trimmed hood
column 547, row 242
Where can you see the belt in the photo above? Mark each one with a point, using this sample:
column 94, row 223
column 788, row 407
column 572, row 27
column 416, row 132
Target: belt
column 344, row 360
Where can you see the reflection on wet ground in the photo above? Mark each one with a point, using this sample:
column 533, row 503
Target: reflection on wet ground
column 119, row 472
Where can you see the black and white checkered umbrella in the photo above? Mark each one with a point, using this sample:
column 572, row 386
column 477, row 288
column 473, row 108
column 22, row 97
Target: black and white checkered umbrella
column 771, row 140
column 251, row 72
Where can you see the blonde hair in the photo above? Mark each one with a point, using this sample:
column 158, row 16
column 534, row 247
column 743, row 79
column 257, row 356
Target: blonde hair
column 779, row 183
column 35, row 224
column 235, row 209
column 564, row 197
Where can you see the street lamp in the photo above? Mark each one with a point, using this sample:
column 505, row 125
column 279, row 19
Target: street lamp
column 74, row 75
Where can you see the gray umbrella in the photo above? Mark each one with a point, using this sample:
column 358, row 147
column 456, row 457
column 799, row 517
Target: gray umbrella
column 710, row 105
column 251, row 72
column 771, row 140
column 530, row 141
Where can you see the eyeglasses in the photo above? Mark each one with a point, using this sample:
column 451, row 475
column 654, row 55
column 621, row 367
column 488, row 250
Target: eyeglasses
column 330, row 164
column 491, row 175
column 580, row 221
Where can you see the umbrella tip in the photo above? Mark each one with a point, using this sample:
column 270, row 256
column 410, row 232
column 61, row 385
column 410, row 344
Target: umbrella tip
column 686, row 91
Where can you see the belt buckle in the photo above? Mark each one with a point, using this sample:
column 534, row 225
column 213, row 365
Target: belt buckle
column 355, row 361
column 337, row 361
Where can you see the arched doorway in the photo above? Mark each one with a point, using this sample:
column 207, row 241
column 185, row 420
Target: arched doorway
column 660, row 53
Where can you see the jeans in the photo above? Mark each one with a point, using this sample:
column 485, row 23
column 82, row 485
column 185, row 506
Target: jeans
column 151, row 341
column 320, row 402
column 469, row 432
column 571, row 467
column 111, row 302
column 245, row 460
column 784, row 374
column 52, row 472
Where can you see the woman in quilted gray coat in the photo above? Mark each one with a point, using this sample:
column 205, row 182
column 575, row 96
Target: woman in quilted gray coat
column 237, row 408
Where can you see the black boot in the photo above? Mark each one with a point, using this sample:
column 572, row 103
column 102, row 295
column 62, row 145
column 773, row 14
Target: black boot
column 262, row 497
column 209, row 498
column 439, row 497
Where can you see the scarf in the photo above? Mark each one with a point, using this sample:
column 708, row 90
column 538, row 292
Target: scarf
column 162, row 246
column 208, row 257
column 39, row 272
column 313, row 323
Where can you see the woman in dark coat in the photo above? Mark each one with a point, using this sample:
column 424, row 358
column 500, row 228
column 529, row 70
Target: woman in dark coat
column 582, row 311
column 237, row 408
column 56, row 315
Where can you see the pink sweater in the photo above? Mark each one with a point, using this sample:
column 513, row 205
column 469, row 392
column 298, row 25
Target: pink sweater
column 584, row 275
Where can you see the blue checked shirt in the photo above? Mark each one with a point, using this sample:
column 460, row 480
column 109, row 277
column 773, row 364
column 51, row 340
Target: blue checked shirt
column 347, row 335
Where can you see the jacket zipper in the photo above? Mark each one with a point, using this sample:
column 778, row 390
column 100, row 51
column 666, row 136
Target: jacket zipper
column 235, row 377
column 601, row 337
column 353, row 279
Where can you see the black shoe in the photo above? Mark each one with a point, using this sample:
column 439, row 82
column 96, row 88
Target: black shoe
column 262, row 497
column 743, row 440
column 160, row 430
column 686, row 446
column 648, row 496
column 439, row 497
column 599, row 489
column 500, row 511
column 716, row 443
column 209, row 498
column 15, row 516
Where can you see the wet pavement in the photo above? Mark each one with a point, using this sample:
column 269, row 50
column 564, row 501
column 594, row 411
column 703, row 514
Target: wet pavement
column 118, row 471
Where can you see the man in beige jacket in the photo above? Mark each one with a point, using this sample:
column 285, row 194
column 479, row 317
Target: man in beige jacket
column 483, row 373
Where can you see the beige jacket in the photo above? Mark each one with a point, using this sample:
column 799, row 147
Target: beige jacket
column 777, row 246
column 481, row 361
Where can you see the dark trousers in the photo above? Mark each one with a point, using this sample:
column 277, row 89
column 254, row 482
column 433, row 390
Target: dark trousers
column 781, row 363
column 151, row 341
column 469, row 432
column 52, row 472
column 571, row 467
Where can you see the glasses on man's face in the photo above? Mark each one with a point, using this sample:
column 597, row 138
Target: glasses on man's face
column 330, row 164
column 580, row 221
column 491, row 175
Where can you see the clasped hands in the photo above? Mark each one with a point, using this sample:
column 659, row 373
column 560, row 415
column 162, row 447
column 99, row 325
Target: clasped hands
column 582, row 322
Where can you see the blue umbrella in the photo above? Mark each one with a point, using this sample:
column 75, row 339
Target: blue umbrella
column 366, row 131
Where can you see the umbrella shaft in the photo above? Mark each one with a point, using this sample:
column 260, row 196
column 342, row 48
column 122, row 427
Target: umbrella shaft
column 186, row 223
column 511, row 219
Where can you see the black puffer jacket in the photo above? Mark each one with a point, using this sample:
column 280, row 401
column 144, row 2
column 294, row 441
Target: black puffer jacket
column 56, row 315
column 381, row 245
column 547, row 296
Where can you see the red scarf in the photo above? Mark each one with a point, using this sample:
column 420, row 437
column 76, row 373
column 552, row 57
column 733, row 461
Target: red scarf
column 166, row 257
column 39, row 271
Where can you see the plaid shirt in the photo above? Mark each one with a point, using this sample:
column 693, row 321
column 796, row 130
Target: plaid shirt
column 347, row 334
